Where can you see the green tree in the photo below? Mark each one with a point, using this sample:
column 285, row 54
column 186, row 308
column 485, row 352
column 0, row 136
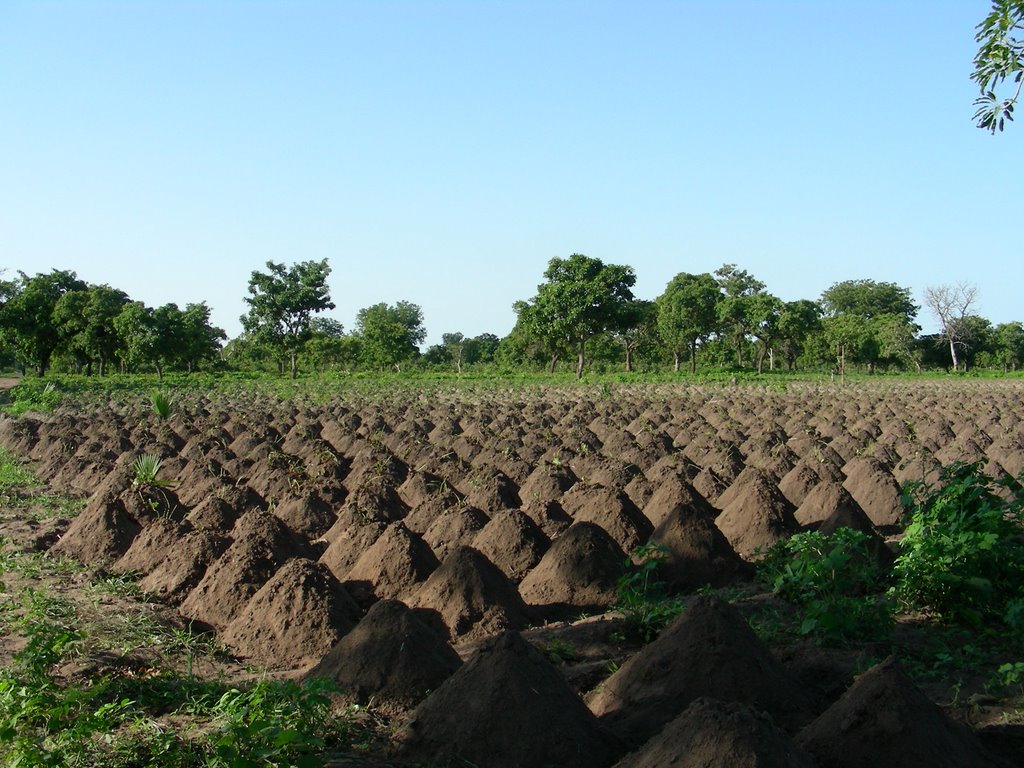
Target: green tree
column 1009, row 345
column 999, row 60
column 27, row 321
column 688, row 314
column 635, row 328
column 581, row 298
column 859, row 313
column 86, row 322
column 282, row 302
column 199, row 342
column 764, row 312
column 735, row 309
column 868, row 299
column 798, row 321
column 390, row 335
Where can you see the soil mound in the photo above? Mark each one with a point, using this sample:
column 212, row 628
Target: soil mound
column 308, row 515
column 717, row 734
column 513, row 542
column 611, row 509
column 883, row 719
column 579, row 572
column 827, row 498
column 470, row 596
column 709, row 650
column 546, row 483
column 453, row 528
column 150, row 547
column 698, row 553
column 758, row 516
column 393, row 566
column 507, row 707
column 294, row 619
column 101, row 533
column 390, row 655
column 676, row 496
column 261, row 545
column 349, row 545
column 184, row 564
column 875, row 489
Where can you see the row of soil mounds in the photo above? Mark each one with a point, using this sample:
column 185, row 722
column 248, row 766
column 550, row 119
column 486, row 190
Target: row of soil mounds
column 307, row 535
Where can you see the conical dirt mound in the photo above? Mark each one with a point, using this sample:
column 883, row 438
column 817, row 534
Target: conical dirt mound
column 294, row 619
column 676, row 495
column 579, row 572
column 698, row 553
column 390, row 655
column 718, row 734
column 513, row 542
column 393, row 566
column 470, row 596
column 709, row 651
column 508, row 707
column 883, row 719
column 758, row 516
column 875, row 489
column 827, row 498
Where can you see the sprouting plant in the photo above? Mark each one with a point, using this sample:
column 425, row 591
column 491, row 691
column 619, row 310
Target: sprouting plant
column 146, row 468
column 161, row 403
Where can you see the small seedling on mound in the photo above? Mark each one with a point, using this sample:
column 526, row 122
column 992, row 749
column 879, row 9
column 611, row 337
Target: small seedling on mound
column 146, row 468
column 161, row 403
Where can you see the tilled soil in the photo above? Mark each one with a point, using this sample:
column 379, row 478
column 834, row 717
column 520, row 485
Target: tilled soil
column 433, row 533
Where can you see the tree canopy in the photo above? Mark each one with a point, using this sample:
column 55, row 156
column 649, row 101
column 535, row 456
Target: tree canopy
column 998, row 62
column 282, row 301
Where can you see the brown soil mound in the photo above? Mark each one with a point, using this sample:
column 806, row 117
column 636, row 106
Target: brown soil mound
column 308, row 515
column 349, row 545
column 470, row 597
column 513, row 542
column 875, row 489
column 611, row 509
column 393, row 566
column 390, row 656
column 883, row 719
column 698, row 553
column 717, row 734
column 546, row 483
column 708, row 651
column 758, row 516
column 184, row 565
column 453, row 528
column 294, row 619
column 798, row 482
column 150, row 547
column 262, row 544
column 676, row 496
column 827, row 498
column 508, row 707
column 101, row 533
column 579, row 572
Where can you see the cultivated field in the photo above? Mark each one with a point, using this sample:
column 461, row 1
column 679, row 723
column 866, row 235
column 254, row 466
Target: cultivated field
column 457, row 562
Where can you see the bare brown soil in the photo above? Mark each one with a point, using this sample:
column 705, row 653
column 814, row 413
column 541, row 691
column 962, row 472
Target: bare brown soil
column 475, row 541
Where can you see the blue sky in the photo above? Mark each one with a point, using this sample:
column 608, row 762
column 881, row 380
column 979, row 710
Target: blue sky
column 442, row 152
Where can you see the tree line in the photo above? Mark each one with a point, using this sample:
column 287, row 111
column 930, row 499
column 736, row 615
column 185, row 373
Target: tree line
column 584, row 316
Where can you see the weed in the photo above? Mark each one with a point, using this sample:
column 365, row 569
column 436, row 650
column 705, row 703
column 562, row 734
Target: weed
column 641, row 598
column 558, row 651
column 962, row 554
column 146, row 468
column 835, row 580
column 161, row 403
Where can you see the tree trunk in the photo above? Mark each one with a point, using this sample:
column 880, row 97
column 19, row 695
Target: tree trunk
column 693, row 356
column 554, row 362
column 580, row 359
column 629, row 359
column 294, row 366
column 952, row 353
column 675, row 360
column 159, row 371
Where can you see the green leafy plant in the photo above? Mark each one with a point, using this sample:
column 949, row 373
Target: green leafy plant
column 641, row 598
column 835, row 579
column 161, row 403
column 962, row 555
column 146, row 468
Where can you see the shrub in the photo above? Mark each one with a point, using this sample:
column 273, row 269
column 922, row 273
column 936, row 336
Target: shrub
column 962, row 555
column 161, row 403
column 641, row 598
column 835, row 579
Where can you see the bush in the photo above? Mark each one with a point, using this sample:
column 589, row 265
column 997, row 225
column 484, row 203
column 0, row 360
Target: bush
column 962, row 553
column 835, row 579
column 641, row 598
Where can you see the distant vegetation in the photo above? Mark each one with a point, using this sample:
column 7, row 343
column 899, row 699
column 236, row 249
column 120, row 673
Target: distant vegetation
column 584, row 318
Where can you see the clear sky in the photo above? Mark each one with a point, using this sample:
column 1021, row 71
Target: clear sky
column 442, row 151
